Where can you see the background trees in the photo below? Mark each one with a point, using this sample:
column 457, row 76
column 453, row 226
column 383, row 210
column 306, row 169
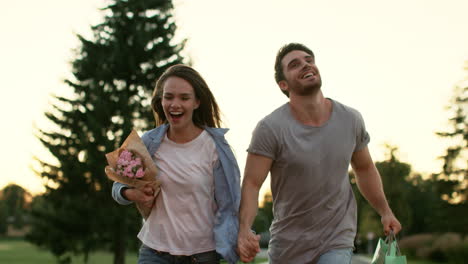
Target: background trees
column 453, row 179
column 114, row 73
column 14, row 207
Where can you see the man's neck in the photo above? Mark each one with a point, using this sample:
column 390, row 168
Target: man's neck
column 313, row 110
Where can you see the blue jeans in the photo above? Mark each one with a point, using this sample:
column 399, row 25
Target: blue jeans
column 150, row 256
column 336, row 256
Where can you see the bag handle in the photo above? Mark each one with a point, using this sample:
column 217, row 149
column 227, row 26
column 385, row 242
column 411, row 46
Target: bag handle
column 391, row 240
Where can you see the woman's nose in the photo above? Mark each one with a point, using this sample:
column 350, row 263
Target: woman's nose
column 175, row 103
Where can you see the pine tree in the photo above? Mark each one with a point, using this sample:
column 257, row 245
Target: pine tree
column 113, row 77
column 453, row 180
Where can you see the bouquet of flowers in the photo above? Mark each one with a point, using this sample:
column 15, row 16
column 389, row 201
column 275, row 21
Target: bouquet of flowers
column 131, row 164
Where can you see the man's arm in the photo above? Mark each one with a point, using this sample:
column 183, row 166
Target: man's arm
column 370, row 185
column 256, row 170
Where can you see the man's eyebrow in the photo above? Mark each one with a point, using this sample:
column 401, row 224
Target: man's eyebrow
column 295, row 59
column 291, row 62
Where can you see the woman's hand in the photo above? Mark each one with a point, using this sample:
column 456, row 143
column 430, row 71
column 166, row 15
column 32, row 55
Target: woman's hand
column 144, row 196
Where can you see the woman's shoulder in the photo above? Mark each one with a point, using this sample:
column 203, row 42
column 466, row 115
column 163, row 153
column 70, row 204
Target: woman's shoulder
column 154, row 134
column 216, row 131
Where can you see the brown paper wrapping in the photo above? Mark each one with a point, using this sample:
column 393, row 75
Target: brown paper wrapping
column 134, row 143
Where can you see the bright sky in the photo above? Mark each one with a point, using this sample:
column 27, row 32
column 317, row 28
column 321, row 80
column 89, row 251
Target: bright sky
column 395, row 61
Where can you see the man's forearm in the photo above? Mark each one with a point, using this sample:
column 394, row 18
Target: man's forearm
column 370, row 186
column 249, row 205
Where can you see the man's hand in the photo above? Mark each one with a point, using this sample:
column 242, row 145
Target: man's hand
column 390, row 223
column 248, row 245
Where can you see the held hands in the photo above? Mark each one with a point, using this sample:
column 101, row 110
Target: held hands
column 390, row 223
column 145, row 196
column 247, row 245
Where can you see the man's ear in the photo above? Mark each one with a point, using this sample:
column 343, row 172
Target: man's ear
column 283, row 85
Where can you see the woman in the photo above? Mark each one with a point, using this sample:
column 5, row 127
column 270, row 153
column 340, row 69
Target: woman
column 194, row 218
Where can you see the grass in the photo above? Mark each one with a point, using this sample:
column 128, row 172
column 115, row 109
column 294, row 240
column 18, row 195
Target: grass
column 413, row 261
column 17, row 251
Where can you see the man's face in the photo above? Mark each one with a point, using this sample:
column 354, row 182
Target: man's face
column 302, row 76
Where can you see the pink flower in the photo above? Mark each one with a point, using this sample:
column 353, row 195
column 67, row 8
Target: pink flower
column 130, row 165
column 140, row 173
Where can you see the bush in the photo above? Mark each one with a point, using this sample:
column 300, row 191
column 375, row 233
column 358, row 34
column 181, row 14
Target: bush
column 419, row 245
column 458, row 254
column 443, row 244
column 446, row 247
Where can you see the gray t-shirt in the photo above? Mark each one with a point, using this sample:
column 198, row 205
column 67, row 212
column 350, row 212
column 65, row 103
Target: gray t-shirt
column 313, row 203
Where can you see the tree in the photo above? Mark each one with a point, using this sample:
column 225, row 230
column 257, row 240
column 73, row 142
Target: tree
column 264, row 216
column 114, row 73
column 15, row 204
column 453, row 179
column 395, row 176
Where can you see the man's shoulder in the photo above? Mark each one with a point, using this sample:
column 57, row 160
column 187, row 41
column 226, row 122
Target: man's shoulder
column 345, row 109
column 276, row 117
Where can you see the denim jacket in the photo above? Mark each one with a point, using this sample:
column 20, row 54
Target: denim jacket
column 227, row 189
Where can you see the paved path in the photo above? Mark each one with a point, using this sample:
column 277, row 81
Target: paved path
column 357, row 259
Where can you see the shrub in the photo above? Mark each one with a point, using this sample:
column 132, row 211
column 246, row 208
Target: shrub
column 458, row 254
column 417, row 245
column 444, row 244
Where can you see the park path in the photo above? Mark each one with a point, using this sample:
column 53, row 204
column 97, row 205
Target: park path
column 357, row 259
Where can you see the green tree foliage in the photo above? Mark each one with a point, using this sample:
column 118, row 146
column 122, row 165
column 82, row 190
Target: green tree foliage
column 394, row 179
column 114, row 73
column 415, row 201
column 264, row 216
column 453, row 180
column 15, row 204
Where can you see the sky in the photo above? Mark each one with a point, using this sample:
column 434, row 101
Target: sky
column 397, row 62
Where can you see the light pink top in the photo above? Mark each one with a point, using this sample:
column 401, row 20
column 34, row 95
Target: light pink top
column 182, row 219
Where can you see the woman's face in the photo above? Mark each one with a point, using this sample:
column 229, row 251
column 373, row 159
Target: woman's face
column 179, row 102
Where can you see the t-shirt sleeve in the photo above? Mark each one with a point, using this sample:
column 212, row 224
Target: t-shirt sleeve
column 263, row 141
column 362, row 136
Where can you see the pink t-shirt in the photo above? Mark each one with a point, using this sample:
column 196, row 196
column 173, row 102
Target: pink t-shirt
column 182, row 219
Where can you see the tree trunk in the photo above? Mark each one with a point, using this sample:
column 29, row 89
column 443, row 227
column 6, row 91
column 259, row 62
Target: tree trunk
column 119, row 243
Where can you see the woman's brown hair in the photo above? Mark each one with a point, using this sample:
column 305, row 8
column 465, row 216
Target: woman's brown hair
column 207, row 114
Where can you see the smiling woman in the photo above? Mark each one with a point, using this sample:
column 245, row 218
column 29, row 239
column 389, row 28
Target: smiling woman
column 196, row 167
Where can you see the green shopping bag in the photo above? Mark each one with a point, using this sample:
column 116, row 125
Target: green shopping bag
column 393, row 255
column 388, row 252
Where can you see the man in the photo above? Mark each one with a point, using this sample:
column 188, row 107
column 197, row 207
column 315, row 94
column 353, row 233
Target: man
column 307, row 145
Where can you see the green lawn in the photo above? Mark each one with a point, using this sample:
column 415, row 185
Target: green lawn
column 412, row 261
column 22, row 252
column 15, row 251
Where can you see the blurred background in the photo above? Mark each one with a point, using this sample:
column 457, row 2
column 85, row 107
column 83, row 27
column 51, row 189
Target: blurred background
column 77, row 76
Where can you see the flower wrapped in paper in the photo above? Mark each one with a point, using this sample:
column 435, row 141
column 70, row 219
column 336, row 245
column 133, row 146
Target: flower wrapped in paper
column 131, row 164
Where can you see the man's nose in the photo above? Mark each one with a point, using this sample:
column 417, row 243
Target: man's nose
column 306, row 64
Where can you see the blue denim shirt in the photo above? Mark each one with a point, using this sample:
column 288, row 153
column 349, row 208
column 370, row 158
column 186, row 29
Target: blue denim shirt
column 227, row 189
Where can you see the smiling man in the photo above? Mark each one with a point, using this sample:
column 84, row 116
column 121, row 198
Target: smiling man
column 307, row 145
